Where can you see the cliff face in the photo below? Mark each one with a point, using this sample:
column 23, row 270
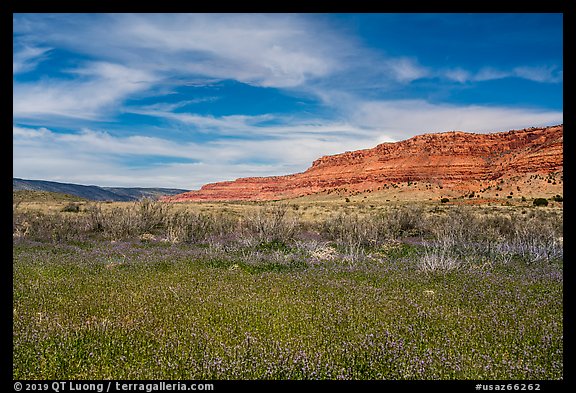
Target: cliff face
column 454, row 159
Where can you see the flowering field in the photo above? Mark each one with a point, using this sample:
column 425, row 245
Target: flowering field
column 352, row 297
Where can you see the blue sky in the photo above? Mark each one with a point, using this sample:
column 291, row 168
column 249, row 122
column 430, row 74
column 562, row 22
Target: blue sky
column 181, row 100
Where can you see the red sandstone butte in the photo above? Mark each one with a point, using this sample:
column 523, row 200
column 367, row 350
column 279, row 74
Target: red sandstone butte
column 453, row 159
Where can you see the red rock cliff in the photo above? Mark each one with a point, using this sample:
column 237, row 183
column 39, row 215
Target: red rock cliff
column 451, row 158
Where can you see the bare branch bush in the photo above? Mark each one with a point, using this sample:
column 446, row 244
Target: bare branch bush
column 501, row 236
column 455, row 236
column 188, row 227
column 149, row 214
column 270, row 223
column 537, row 239
column 406, row 220
column 439, row 258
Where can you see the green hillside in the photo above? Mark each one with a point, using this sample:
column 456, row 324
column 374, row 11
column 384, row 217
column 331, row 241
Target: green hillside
column 44, row 196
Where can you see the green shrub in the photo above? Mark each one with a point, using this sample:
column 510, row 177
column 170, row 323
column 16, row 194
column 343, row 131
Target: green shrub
column 558, row 198
column 274, row 245
column 540, row 202
column 71, row 208
column 444, row 200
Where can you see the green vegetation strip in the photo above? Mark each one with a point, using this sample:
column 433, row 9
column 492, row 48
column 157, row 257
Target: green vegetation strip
column 127, row 310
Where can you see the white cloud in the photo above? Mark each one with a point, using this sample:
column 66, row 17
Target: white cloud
column 543, row 74
column 162, row 107
column 223, row 125
column 270, row 50
column 548, row 74
column 488, row 73
column 104, row 144
column 27, row 58
column 406, row 70
column 458, row 75
column 265, row 126
column 405, row 118
column 22, row 133
column 101, row 86
column 266, row 50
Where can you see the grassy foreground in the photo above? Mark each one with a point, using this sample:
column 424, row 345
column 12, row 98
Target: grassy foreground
column 91, row 307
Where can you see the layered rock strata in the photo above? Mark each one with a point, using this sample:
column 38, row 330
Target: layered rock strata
column 453, row 159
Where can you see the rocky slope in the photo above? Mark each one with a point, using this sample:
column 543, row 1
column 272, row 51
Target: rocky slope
column 450, row 160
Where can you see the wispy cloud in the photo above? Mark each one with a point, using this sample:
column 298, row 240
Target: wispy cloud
column 547, row 74
column 27, row 58
column 264, row 50
column 141, row 51
column 401, row 118
column 405, row 69
column 543, row 74
column 99, row 86
column 267, row 50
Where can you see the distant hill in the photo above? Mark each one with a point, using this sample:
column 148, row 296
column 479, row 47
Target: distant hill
column 94, row 193
column 44, row 196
